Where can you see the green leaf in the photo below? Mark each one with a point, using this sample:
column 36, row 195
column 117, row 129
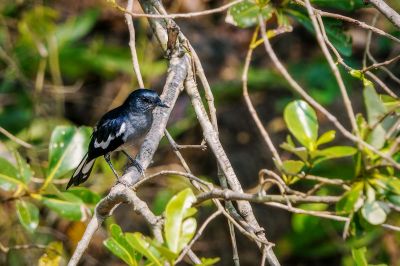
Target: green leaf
column 359, row 256
column 86, row 195
column 326, row 137
column 52, row 255
column 333, row 27
column 24, row 171
column 28, row 215
column 120, row 251
column 289, row 146
column 72, row 210
column 68, row 146
column 292, row 167
column 333, row 152
column 391, row 184
column 208, row 261
column 165, row 252
column 374, row 212
column 76, row 27
column 139, row 243
column 245, row 14
column 178, row 231
column 348, row 202
column 302, row 122
column 375, row 107
column 9, row 180
column 346, row 5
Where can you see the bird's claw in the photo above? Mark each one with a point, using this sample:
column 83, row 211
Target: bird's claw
column 138, row 167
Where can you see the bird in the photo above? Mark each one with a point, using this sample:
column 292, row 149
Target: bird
column 120, row 128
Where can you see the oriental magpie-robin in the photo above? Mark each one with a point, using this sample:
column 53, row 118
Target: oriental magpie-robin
column 124, row 126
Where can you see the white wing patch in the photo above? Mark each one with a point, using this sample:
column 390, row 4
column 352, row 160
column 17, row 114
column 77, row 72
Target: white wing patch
column 104, row 144
column 121, row 130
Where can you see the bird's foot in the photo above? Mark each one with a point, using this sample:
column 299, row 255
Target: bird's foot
column 139, row 167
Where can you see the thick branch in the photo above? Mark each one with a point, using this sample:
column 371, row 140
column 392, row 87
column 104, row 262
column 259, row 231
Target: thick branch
column 387, row 11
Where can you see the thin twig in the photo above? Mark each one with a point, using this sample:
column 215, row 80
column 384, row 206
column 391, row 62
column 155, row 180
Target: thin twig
column 132, row 44
column 181, row 15
column 387, row 11
column 197, row 236
column 15, row 139
column 334, row 68
column 315, row 104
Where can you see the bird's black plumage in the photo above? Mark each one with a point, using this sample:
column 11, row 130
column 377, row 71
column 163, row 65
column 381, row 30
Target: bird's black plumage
column 125, row 125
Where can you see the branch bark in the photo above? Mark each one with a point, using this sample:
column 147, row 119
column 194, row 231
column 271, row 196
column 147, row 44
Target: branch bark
column 387, row 11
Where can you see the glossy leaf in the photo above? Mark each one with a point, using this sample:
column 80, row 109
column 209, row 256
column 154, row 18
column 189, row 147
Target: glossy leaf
column 24, row 170
column 374, row 212
column 52, row 255
column 9, row 176
column 300, row 152
column 245, row 14
column 67, row 147
column 359, row 256
column 208, row 261
column 28, row 215
column 120, row 251
column 333, row 28
column 391, row 184
column 85, row 194
column 347, row 5
column 138, row 242
column 348, row 202
column 375, row 107
column 326, row 137
column 72, row 210
column 333, row 152
column 178, row 231
column 292, row 167
column 164, row 251
column 301, row 120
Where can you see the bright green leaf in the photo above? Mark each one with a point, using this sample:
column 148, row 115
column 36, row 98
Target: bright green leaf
column 139, row 243
column 359, row 256
column 374, row 212
column 348, row 202
column 118, row 250
column 245, row 14
column 326, row 137
column 391, row 184
column 67, row 147
column 187, row 232
column 302, row 122
column 86, row 195
column 9, row 176
column 375, row 107
column 71, row 210
column 52, row 255
column 333, row 152
column 292, row 167
column 208, row 261
column 176, row 230
column 28, row 215
column 24, row 171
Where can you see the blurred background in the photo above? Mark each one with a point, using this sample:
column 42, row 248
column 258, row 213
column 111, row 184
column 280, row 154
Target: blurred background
column 68, row 62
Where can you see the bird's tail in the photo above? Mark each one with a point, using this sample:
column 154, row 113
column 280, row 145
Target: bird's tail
column 82, row 172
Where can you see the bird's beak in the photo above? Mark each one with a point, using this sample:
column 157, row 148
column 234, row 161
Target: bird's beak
column 161, row 104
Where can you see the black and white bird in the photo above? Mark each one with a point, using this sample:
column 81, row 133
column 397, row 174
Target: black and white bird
column 124, row 126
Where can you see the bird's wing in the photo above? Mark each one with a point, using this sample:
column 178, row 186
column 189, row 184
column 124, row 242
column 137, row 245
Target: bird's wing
column 108, row 134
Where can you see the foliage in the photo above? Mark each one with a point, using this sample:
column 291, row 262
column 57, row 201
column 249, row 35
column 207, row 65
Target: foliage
column 43, row 52
column 179, row 229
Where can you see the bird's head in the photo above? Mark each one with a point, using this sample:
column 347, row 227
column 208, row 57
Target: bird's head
column 144, row 100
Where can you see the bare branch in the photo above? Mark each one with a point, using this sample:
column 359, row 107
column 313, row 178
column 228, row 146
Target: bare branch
column 387, row 11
